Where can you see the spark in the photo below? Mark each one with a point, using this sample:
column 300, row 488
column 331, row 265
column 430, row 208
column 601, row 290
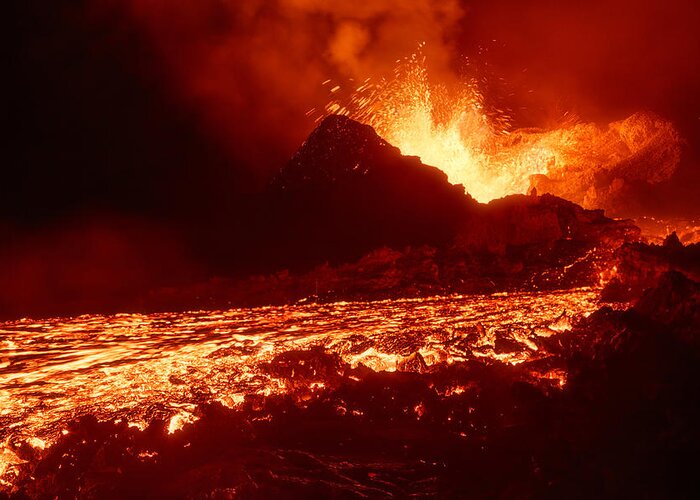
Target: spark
column 475, row 144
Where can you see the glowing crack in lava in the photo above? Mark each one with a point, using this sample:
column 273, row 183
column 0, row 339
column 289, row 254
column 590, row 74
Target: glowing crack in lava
column 138, row 367
column 453, row 130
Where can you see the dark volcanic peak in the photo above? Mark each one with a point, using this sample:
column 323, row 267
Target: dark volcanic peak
column 347, row 191
column 341, row 149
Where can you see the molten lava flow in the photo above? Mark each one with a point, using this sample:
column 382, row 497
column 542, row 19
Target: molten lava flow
column 136, row 368
column 479, row 150
column 421, row 120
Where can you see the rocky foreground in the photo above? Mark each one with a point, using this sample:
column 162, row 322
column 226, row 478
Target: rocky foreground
column 622, row 422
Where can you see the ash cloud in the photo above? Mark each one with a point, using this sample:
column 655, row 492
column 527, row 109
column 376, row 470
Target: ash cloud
column 253, row 69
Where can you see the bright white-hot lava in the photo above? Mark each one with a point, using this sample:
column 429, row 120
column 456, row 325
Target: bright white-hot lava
column 452, row 130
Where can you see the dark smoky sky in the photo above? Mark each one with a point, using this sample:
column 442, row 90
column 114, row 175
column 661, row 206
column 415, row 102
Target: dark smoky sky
column 152, row 106
column 134, row 128
column 603, row 59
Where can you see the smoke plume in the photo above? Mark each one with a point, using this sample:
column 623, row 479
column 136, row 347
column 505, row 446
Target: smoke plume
column 259, row 64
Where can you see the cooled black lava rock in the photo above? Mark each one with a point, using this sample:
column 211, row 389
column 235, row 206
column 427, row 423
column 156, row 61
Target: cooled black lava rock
column 341, row 150
column 639, row 266
column 347, row 191
column 674, row 301
column 350, row 217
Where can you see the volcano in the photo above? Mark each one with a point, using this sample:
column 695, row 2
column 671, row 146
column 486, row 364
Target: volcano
column 350, row 217
column 418, row 343
column 347, row 191
column 305, row 249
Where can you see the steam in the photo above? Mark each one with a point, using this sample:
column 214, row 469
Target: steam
column 348, row 44
column 366, row 39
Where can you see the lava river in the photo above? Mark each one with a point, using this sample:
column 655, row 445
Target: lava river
column 138, row 367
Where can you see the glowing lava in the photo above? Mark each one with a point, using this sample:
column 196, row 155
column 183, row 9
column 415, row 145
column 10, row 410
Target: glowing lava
column 478, row 148
column 140, row 367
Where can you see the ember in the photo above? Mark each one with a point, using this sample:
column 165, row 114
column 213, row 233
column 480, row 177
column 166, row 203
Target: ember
column 480, row 150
